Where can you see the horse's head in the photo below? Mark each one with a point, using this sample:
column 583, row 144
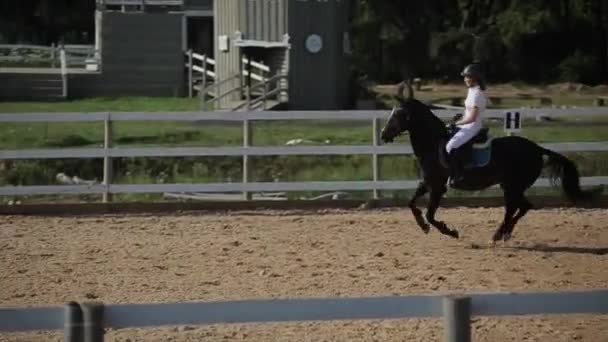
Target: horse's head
column 399, row 120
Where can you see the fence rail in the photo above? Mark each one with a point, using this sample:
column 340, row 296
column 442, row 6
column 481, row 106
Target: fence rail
column 75, row 55
column 246, row 150
column 456, row 310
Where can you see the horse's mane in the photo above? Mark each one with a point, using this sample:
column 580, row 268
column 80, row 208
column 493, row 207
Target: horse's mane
column 423, row 114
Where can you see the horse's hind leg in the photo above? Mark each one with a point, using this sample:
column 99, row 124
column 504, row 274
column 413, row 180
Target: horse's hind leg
column 420, row 191
column 511, row 206
column 434, row 200
column 524, row 207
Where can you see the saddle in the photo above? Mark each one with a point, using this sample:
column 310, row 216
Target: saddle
column 477, row 151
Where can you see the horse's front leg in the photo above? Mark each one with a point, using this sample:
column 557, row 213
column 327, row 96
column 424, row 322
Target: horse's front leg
column 421, row 190
column 435, row 198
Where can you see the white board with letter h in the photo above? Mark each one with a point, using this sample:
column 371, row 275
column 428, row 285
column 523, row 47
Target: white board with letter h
column 512, row 122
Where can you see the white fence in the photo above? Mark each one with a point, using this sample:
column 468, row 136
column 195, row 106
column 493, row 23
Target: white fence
column 88, row 321
column 246, row 151
column 74, row 56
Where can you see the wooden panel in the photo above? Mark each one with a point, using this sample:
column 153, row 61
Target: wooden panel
column 319, row 89
column 138, row 57
column 198, row 4
column 228, row 63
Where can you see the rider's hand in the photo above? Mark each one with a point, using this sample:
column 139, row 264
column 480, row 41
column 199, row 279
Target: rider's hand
column 456, row 118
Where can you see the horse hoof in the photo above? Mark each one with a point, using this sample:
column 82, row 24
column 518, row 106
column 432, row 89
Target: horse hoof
column 455, row 234
column 492, row 243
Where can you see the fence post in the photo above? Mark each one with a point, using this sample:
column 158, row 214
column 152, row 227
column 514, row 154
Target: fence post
column 107, row 160
column 64, row 73
column 204, row 85
column 265, row 90
column 53, row 56
column 72, row 326
column 92, row 314
column 457, row 319
column 375, row 158
column 246, row 143
column 248, row 97
column 241, row 79
column 190, row 73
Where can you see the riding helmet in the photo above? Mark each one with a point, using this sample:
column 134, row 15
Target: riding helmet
column 473, row 71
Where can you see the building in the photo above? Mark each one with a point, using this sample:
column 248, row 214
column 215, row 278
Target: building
column 142, row 45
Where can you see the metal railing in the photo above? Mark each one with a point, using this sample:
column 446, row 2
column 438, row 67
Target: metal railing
column 202, row 78
column 247, row 119
column 87, row 321
column 38, row 56
column 261, row 102
column 140, row 2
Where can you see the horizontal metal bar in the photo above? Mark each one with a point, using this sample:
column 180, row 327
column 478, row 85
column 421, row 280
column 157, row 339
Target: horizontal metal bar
column 318, row 150
column 600, row 146
column 219, row 84
column 318, row 309
column 64, row 153
column 25, row 46
column 51, row 190
column 323, row 309
column 198, row 68
column 277, row 310
column 200, row 57
column 228, row 92
column 301, row 186
column 27, row 59
column 204, row 187
column 54, row 117
column 287, row 115
column 585, row 181
column 79, row 46
column 264, row 186
column 254, row 76
column 541, row 303
column 257, row 65
column 144, row 2
column 241, row 187
column 28, row 319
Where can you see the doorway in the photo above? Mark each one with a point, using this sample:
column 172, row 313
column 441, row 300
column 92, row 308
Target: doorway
column 200, row 35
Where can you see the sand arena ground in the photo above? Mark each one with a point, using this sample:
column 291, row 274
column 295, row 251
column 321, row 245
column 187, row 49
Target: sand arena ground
column 286, row 254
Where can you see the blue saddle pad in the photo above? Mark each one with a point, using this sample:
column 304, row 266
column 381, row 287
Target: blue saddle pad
column 481, row 154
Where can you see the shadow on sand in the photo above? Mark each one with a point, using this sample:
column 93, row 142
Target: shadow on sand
column 540, row 247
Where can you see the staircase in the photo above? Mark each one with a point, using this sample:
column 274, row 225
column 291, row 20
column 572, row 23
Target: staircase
column 32, row 86
column 260, row 96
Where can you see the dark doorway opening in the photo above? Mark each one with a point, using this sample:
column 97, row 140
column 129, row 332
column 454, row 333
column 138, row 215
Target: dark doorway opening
column 200, row 35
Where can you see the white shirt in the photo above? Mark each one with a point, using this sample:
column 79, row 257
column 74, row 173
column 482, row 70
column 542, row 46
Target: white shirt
column 475, row 98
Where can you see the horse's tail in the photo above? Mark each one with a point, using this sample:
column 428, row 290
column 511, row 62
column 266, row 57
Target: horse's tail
column 563, row 168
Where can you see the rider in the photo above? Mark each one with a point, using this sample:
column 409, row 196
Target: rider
column 470, row 123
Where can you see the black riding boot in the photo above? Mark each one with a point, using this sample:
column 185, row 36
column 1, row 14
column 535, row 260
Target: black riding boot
column 456, row 166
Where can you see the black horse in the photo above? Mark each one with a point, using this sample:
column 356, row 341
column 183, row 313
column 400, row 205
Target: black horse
column 515, row 164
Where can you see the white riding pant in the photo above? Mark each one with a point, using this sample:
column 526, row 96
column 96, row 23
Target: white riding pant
column 464, row 134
